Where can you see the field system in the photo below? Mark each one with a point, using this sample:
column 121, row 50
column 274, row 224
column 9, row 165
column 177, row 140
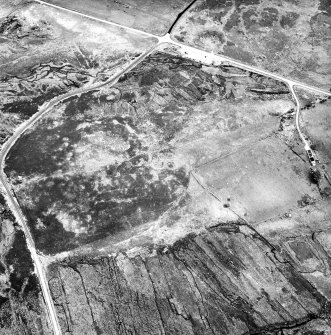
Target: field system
column 158, row 145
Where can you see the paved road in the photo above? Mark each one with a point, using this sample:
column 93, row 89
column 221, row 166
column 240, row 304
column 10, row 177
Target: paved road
column 191, row 52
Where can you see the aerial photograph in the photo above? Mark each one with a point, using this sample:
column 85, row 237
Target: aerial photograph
column 165, row 167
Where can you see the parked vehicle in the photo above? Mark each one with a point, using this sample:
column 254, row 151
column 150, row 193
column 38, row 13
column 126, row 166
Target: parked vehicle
column 311, row 157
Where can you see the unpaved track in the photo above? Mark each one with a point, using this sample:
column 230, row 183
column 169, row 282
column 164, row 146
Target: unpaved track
column 187, row 50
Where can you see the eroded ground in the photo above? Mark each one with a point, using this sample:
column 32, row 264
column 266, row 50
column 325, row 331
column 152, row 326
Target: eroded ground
column 291, row 38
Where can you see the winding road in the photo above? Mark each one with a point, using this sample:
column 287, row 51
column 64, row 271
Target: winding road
column 190, row 52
